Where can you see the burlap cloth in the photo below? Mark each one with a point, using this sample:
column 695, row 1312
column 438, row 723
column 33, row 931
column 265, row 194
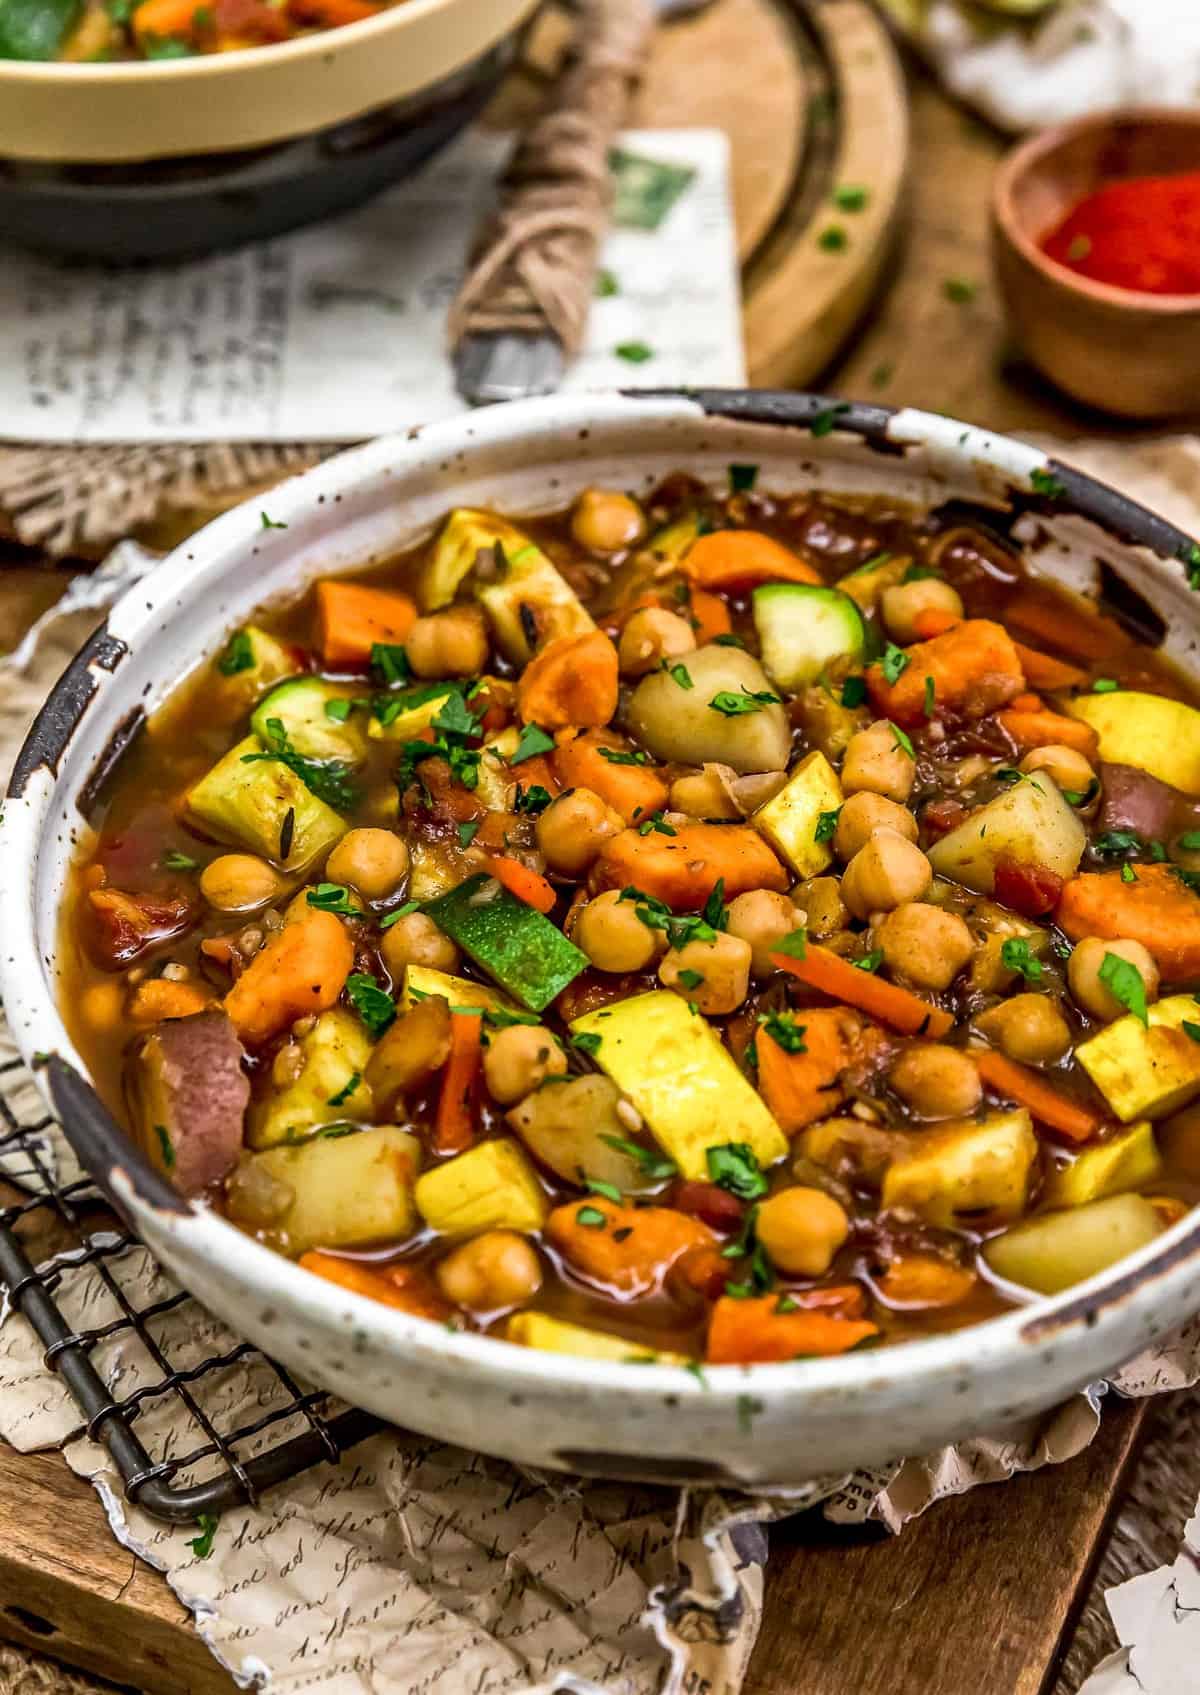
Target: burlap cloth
column 1167, row 474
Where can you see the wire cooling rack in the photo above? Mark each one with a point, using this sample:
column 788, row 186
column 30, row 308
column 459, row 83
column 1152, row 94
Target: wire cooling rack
column 297, row 1429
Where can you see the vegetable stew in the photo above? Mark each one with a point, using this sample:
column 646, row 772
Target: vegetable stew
column 722, row 928
column 92, row 31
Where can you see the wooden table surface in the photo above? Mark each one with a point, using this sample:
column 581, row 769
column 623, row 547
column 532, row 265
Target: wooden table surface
column 979, row 1592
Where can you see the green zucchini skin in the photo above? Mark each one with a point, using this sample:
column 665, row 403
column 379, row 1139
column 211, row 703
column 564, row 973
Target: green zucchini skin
column 802, row 627
column 522, row 951
column 35, row 29
column 300, row 707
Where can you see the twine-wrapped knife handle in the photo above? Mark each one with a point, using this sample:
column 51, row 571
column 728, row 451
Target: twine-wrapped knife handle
column 534, row 266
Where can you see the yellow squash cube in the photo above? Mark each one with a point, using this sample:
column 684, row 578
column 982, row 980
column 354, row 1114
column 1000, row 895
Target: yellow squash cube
column 1129, row 1160
column 555, row 1336
column 1161, row 736
column 407, row 725
column 789, row 821
column 1146, row 1072
column 490, row 1187
column 965, row 1167
column 421, row 981
column 682, row 1079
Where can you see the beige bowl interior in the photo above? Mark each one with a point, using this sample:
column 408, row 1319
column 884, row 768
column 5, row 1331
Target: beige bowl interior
column 114, row 113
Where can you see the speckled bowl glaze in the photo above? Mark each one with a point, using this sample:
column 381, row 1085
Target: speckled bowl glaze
column 756, row 1426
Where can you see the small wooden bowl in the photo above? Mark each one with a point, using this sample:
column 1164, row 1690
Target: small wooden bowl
column 1133, row 354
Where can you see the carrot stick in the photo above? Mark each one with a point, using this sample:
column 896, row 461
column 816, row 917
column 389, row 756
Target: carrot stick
column 405, row 1286
column 1028, row 1090
column 726, row 559
column 352, row 618
column 527, row 885
column 454, row 1127
column 1043, row 672
column 834, row 977
column 1067, row 624
column 710, row 616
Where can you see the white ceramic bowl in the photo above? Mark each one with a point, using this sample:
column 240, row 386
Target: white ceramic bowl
column 753, row 1426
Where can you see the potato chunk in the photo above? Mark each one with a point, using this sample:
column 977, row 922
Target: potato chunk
column 328, row 1087
column 347, row 1190
column 1057, row 1249
column 1030, row 824
column 680, row 723
column 962, row 1168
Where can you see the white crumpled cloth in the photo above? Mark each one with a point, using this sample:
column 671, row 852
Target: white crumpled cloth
column 1080, row 56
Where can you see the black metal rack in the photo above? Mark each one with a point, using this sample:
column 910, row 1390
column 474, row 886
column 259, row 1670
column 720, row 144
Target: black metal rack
column 156, row 1484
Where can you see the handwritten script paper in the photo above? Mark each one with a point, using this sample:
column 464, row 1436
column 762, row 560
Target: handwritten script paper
column 415, row 1567
column 337, row 332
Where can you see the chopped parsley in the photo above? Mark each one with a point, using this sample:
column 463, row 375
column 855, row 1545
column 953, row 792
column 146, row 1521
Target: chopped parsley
column 173, row 860
column 1189, row 553
column 390, row 663
column 832, row 239
column 1105, row 685
column 1044, row 482
column 467, row 833
column 1191, row 1030
column 658, row 824
column 623, row 756
column 372, row 1003
column 1124, row 982
column 894, row 662
column 328, row 779
column 882, row 375
column 854, row 691
column 827, row 823
column 1116, row 841
column 202, row 1545
column 334, row 897
column 794, row 945
column 166, row 1145
column 930, row 705
column 1082, row 797
column 338, row 710
column 1128, row 874
column 960, row 290
column 238, row 655
column 697, row 1371
column 1015, row 956
column 731, row 704
column 901, row 740
column 400, row 912
column 824, row 422
column 347, row 1089
column 733, row 1166
column 783, row 1030
column 633, row 352
column 606, row 285
column 1190, row 841
column 532, row 741
column 688, row 927
column 531, row 800
column 742, row 478
column 849, row 197
column 656, row 1166
column 679, row 674
column 608, row 1191
column 748, row 1408
column 591, row 1218
column 587, row 1042
column 870, row 961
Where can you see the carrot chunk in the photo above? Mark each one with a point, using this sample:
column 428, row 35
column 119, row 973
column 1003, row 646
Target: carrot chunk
column 804, row 1086
column 755, row 1332
column 352, row 618
column 919, row 1281
column 709, row 615
column 635, row 791
column 163, row 20
column 1043, row 672
column 968, row 663
column 1043, row 728
column 454, row 1126
column 330, row 14
column 624, row 1248
column 1029, row 1090
column 571, row 683
column 738, row 559
column 1067, row 624
column 1156, row 909
column 403, row 1286
column 158, row 998
column 301, row 970
column 683, row 870
column 841, row 981
column 527, row 885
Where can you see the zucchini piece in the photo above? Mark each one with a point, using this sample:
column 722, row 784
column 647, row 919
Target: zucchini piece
column 674, row 539
column 247, row 806
column 35, row 29
column 556, row 1336
column 408, row 713
column 1030, row 822
column 490, row 1187
column 430, row 871
column 421, row 981
column 1146, row 1070
column 972, row 1166
column 1129, row 1160
column 866, row 584
column 789, row 820
column 334, row 1054
column 250, row 662
column 349, row 1189
column 300, row 707
column 682, row 1079
column 801, row 628
column 497, row 785
column 1057, row 1249
column 524, row 952
column 1157, row 735
column 465, row 534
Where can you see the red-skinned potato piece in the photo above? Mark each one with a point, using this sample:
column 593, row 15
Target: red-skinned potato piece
column 189, row 1096
column 974, row 667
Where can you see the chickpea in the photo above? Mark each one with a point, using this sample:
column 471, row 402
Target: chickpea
column 573, row 829
column 375, row 862
column 651, row 635
column 922, row 943
column 451, row 643
column 1029, row 1028
column 801, row 1230
column 416, row 940
column 762, row 919
column 496, row 1270
column 613, row 936
column 1065, row 766
column 904, row 603
column 715, row 975
column 876, row 761
column 518, row 1060
column 1083, row 974
column 820, row 907
column 238, row 882
column 706, row 793
column 937, row 1081
column 887, row 871
column 862, row 815
column 606, row 521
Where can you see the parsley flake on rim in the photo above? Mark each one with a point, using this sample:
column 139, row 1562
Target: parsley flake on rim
column 269, row 523
column 1043, row 481
column 742, row 478
column 238, row 655
column 825, row 421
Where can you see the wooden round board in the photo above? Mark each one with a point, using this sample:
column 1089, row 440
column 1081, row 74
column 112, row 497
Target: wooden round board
column 812, row 98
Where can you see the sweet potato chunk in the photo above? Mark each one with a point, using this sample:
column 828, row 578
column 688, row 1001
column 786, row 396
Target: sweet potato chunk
column 579, row 762
column 974, row 667
column 682, row 870
column 753, row 1331
column 1156, row 909
column 301, row 970
column 801, row 1087
column 570, row 683
column 623, row 1248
